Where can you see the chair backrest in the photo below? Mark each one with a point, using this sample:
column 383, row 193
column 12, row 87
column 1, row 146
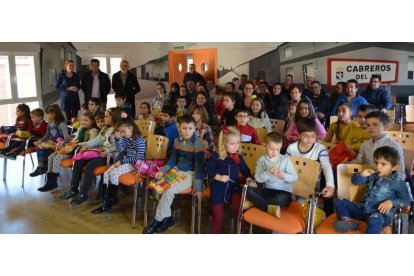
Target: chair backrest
column 391, row 115
column 411, row 100
column 155, row 111
column 405, row 139
column 146, row 127
column 409, row 113
column 333, row 119
column 157, row 146
column 329, row 146
column 261, row 132
column 278, row 125
column 408, row 160
column 308, row 173
column 251, row 153
column 346, row 189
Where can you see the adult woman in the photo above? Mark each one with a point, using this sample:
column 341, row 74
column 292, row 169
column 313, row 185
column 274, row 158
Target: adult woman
column 161, row 98
column 248, row 92
column 202, row 99
column 68, row 84
column 174, row 93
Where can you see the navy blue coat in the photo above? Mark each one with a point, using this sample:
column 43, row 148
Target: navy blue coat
column 69, row 100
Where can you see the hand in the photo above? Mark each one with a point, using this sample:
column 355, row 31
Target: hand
column 367, row 172
column 222, row 178
column 248, row 179
column 103, row 153
column 37, row 143
column 320, row 115
column 293, row 138
column 117, row 164
column 158, row 175
column 279, row 174
column 328, row 192
column 117, row 135
column 199, row 195
column 385, row 206
column 384, row 110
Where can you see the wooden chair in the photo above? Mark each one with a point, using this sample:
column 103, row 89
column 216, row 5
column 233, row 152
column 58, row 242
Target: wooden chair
column 409, row 113
column 405, row 139
column 261, row 132
column 146, row 127
column 333, row 119
column 278, row 125
column 351, row 192
column 391, row 115
column 328, row 145
column 291, row 220
column 156, row 149
column 411, row 100
column 251, row 153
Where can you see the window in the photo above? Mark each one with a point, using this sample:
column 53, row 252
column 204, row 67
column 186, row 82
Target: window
column 288, row 52
column 308, row 70
column 5, row 83
column 109, row 64
column 25, row 76
column 290, row 70
column 410, row 68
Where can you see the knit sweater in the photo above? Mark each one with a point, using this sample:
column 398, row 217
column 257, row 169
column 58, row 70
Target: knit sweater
column 188, row 155
column 280, row 163
column 317, row 152
column 351, row 134
column 135, row 149
column 378, row 97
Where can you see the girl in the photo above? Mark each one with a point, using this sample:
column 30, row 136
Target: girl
column 346, row 130
column 229, row 115
column 259, row 118
column 184, row 92
column 304, row 110
column 202, row 99
column 86, row 132
column 223, row 171
column 145, row 112
column 128, row 138
column 104, row 140
column 202, row 129
column 68, row 84
column 174, row 93
column 291, row 107
column 277, row 106
column 23, row 123
column 57, row 131
column 161, row 98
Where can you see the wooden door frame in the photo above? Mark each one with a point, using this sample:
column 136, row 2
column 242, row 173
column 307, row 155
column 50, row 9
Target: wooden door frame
column 189, row 51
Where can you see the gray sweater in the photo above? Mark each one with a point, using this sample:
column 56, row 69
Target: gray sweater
column 281, row 163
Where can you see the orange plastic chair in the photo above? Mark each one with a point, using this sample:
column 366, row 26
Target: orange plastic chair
column 351, row 192
column 278, row 125
column 291, row 220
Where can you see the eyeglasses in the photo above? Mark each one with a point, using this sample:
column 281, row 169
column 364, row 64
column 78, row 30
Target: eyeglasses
column 242, row 116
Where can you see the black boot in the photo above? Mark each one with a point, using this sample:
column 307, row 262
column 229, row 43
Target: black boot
column 110, row 199
column 51, row 182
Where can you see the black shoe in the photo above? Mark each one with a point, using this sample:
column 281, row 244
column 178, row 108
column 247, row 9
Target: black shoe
column 103, row 209
column 38, row 171
column 165, row 224
column 10, row 156
column 69, row 194
column 79, row 199
column 150, row 229
column 48, row 187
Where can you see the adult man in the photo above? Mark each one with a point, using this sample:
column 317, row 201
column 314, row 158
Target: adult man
column 193, row 75
column 351, row 96
column 96, row 83
column 320, row 101
column 377, row 96
column 288, row 83
column 125, row 82
column 243, row 80
column 307, row 91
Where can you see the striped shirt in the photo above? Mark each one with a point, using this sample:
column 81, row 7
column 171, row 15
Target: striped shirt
column 135, row 149
column 318, row 152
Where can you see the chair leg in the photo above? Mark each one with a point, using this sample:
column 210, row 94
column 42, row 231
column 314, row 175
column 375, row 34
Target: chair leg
column 193, row 201
column 146, row 205
column 24, row 167
column 31, row 157
column 4, row 168
column 199, row 217
column 240, row 216
column 134, row 209
column 251, row 229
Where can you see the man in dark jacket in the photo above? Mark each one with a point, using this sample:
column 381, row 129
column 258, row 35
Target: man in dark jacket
column 193, row 75
column 377, row 96
column 96, row 83
column 126, row 83
column 321, row 103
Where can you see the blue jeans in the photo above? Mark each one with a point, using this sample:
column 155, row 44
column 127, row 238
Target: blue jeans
column 375, row 221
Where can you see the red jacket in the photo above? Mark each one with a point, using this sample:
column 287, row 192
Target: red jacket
column 39, row 129
column 249, row 134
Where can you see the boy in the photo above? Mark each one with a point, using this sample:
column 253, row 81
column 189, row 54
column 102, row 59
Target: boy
column 170, row 130
column 376, row 123
column 120, row 100
column 100, row 120
column 362, row 111
column 187, row 157
column 307, row 147
column 277, row 173
column 386, row 191
column 249, row 133
column 181, row 110
column 94, row 105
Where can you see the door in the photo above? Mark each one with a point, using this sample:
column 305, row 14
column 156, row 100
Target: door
column 205, row 61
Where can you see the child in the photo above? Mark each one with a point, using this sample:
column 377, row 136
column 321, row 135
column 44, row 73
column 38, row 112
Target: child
column 307, row 147
column 218, row 104
column 105, row 141
column 23, row 123
column 277, row 173
column 57, row 131
column 346, row 130
column 145, row 112
column 181, row 104
column 291, row 105
column 120, row 100
column 167, row 116
column 100, row 121
column 248, row 133
column 259, row 118
column 305, row 110
column 188, row 157
column 94, row 105
column 127, row 138
column 376, row 124
column 223, row 171
column 86, row 132
column 39, row 124
column 75, row 122
column 362, row 111
column 277, row 107
column 386, row 192
column 229, row 115
column 202, row 129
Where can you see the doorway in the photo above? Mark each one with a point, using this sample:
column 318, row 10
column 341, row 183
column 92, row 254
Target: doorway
column 205, row 61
